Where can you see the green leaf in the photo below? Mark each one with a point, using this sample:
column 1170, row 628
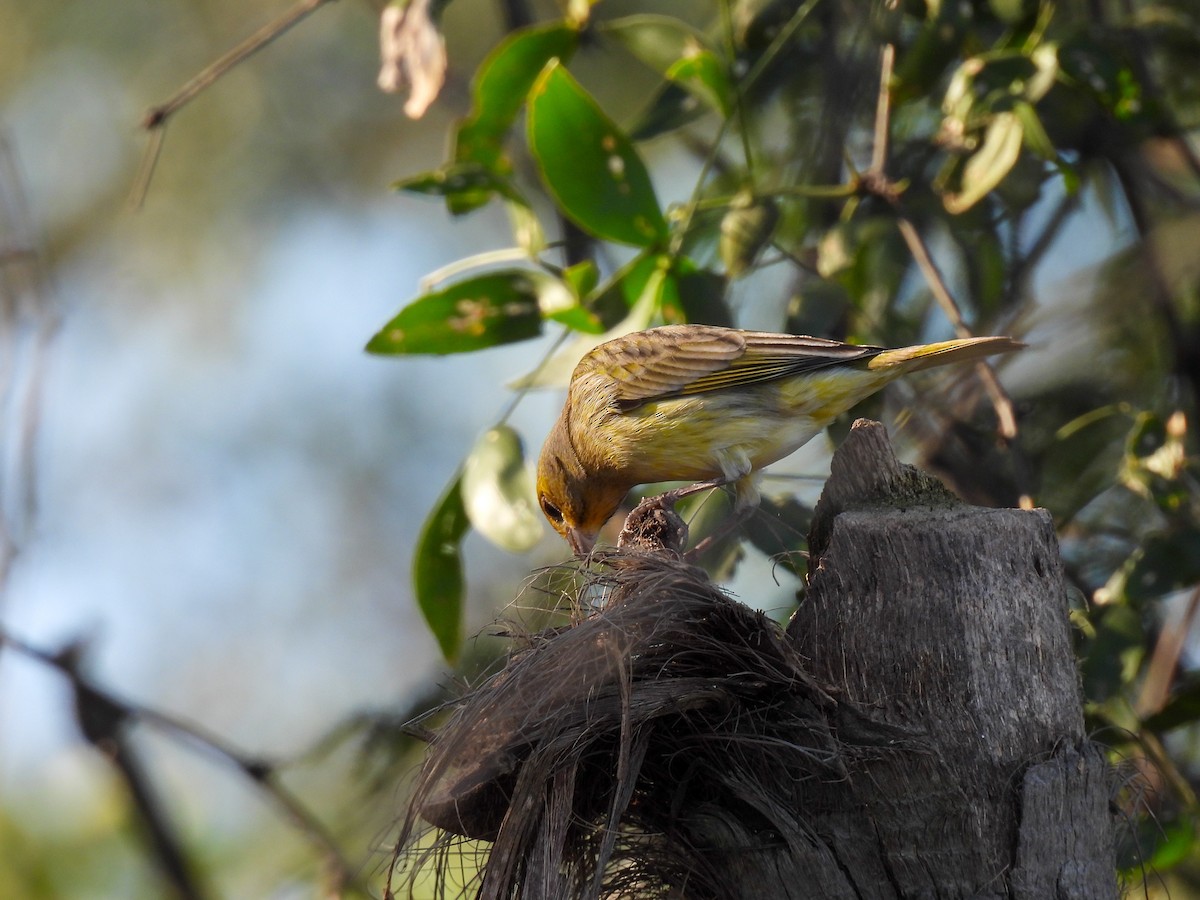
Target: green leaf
column 648, row 275
column 694, row 295
column 437, row 569
column 1176, row 845
column 679, row 53
column 501, row 84
column 990, row 163
column 577, row 319
column 496, row 308
column 613, row 300
column 582, row 277
column 658, row 41
column 1036, row 138
column 1113, row 659
column 746, row 228
column 1168, row 562
column 704, row 75
column 498, row 492
column 466, row 185
column 669, row 109
column 589, row 164
column 526, row 227
column 1011, row 12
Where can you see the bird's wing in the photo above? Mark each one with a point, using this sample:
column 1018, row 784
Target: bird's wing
column 692, row 359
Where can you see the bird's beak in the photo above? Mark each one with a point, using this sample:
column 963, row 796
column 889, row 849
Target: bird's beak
column 581, row 543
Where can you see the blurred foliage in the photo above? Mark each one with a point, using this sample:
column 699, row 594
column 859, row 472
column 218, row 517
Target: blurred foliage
column 1013, row 127
column 1007, row 125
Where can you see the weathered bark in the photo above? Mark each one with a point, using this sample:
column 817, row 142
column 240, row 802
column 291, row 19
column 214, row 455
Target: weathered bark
column 916, row 732
column 951, row 621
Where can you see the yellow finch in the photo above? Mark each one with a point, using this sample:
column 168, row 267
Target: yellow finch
column 707, row 405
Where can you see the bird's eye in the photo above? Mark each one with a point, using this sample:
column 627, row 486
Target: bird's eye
column 553, row 513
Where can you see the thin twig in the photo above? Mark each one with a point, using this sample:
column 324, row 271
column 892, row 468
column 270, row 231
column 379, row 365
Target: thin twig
column 28, row 324
column 146, row 168
column 1005, row 411
column 156, row 117
column 166, row 847
column 1165, row 660
column 768, row 56
column 739, row 95
column 876, row 181
column 883, row 111
column 265, row 775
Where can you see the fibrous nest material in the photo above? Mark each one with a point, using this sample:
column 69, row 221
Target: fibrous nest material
column 608, row 758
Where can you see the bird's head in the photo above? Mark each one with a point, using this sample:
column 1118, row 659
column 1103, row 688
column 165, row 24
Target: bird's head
column 576, row 503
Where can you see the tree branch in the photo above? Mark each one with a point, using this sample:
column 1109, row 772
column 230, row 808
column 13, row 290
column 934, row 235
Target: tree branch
column 29, row 321
column 156, row 117
column 102, row 718
column 876, row 181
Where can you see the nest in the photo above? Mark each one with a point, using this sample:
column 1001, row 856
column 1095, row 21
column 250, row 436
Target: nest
column 610, row 757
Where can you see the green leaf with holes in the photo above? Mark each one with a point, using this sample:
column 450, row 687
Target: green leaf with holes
column 496, row 308
column 498, row 492
column 589, row 165
column 438, row 579
column 703, row 75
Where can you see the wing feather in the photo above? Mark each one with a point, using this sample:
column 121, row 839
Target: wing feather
column 692, row 359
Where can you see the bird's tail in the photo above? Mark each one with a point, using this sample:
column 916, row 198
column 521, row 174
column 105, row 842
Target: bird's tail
column 924, row 356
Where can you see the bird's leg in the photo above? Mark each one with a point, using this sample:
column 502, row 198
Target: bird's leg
column 735, row 466
column 668, row 499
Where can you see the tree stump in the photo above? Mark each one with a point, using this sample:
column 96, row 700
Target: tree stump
column 952, row 621
column 915, row 732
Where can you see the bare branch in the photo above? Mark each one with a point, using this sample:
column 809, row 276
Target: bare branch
column 102, row 716
column 883, row 111
column 876, row 181
column 147, row 166
column 28, row 323
column 156, row 117
column 1164, row 662
column 1005, row 412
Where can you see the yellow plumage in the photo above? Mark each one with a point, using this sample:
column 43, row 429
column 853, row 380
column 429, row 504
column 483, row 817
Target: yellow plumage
column 707, row 405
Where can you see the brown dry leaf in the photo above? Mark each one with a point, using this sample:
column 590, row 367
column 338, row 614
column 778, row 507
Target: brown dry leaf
column 413, row 53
